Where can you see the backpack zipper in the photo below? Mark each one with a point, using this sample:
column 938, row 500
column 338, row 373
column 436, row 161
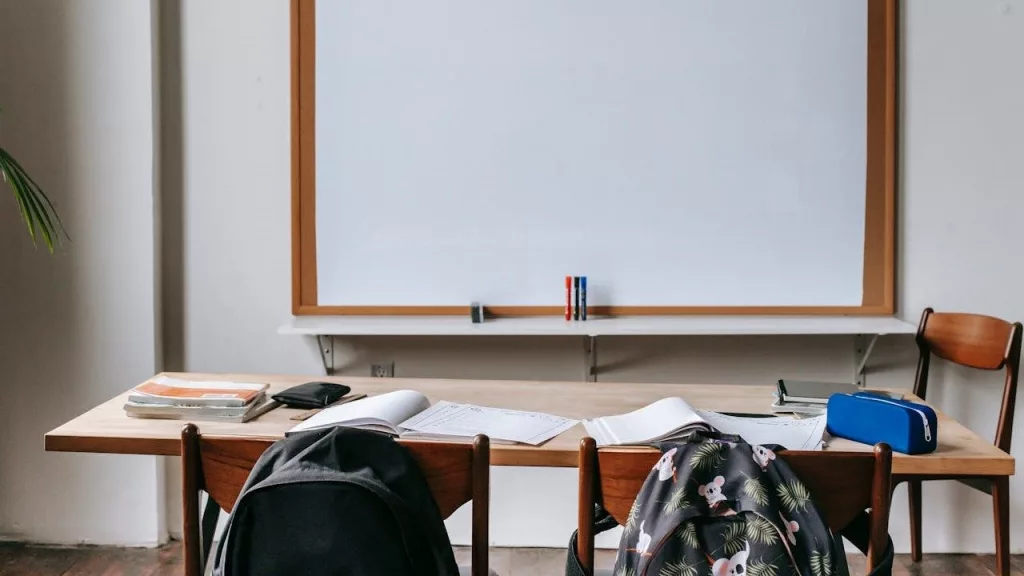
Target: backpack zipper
column 924, row 417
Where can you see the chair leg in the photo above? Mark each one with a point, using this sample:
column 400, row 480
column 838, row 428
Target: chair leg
column 1001, row 514
column 914, row 493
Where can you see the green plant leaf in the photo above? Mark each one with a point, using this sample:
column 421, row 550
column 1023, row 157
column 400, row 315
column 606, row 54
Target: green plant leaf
column 760, row 530
column 49, row 204
column 794, row 496
column 19, row 197
column 37, row 211
column 735, row 538
column 754, row 490
column 821, row 564
column 678, row 500
column 687, row 532
column 708, row 456
column 34, row 204
column 680, row 568
column 762, row 569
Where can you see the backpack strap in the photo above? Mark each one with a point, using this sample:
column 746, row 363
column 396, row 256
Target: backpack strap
column 858, row 533
column 603, row 522
column 884, row 567
column 207, row 526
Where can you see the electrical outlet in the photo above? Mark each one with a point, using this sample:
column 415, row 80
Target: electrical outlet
column 386, row 370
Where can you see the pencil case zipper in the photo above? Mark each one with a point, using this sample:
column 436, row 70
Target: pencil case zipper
column 924, row 417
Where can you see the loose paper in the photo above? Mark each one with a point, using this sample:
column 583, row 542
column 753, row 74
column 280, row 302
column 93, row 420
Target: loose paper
column 791, row 433
column 466, row 420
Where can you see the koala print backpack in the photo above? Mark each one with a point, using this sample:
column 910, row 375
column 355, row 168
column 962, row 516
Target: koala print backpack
column 717, row 506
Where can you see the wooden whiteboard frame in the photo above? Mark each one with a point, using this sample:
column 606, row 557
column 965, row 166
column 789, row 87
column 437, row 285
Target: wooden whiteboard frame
column 880, row 189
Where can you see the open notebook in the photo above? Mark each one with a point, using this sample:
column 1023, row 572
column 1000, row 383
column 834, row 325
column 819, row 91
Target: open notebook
column 408, row 413
column 382, row 413
column 672, row 419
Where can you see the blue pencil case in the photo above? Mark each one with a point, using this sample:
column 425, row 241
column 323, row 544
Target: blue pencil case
column 906, row 427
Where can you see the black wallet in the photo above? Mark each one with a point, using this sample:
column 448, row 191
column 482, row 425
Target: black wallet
column 312, row 395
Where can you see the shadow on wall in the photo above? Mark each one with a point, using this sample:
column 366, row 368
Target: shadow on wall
column 40, row 295
column 77, row 327
column 37, row 125
column 172, row 188
column 760, row 360
column 172, row 223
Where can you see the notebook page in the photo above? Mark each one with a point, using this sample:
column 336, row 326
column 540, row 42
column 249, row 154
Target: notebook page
column 791, row 433
column 467, row 420
column 390, row 409
column 644, row 425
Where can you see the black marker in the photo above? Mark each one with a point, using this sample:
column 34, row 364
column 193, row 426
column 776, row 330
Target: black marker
column 576, row 285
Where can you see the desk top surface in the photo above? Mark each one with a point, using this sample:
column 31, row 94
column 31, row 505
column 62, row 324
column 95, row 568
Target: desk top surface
column 107, row 429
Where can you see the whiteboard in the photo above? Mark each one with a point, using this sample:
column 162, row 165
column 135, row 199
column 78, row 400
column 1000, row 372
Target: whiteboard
column 690, row 153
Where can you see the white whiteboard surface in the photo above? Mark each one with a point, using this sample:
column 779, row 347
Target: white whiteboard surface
column 690, row 153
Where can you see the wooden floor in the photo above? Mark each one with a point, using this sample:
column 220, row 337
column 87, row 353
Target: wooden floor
column 18, row 559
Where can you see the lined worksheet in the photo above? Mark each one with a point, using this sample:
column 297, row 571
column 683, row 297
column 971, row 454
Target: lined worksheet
column 448, row 419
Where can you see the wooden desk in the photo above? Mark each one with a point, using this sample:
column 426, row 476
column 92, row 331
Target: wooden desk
column 106, row 428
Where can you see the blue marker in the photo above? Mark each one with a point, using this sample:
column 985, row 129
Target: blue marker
column 583, row 298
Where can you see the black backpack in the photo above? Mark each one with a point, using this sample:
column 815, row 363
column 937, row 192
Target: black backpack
column 338, row 501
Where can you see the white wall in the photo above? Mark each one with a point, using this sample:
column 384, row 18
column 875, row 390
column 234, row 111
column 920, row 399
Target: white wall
column 225, row 206
column 961, row 197
column 961, row 214
column 78, row 327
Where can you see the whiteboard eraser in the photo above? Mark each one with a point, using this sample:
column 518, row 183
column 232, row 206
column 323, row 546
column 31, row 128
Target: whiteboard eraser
column 476, row 312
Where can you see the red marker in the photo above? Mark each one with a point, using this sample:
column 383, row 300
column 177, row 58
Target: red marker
column 568, row 297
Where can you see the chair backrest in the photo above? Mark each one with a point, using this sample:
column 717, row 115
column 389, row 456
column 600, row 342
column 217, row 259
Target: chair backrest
column 842, row 485
column 975, row 341
column 457, row 472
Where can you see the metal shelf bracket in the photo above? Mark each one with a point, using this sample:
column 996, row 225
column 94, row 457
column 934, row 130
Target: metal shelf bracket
column 590, row 369
column 325, row 344
column 863, row 345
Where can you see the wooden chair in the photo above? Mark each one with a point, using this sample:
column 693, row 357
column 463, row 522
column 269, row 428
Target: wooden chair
column 985, row 343
column 456, row 472
column 842, row 484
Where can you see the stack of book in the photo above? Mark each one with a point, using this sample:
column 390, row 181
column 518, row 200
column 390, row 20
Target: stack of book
column 218, row 401
column 811, row 398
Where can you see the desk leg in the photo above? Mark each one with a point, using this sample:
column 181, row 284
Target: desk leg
column 914, row 496
column 211, row 512
column 1001, row 515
